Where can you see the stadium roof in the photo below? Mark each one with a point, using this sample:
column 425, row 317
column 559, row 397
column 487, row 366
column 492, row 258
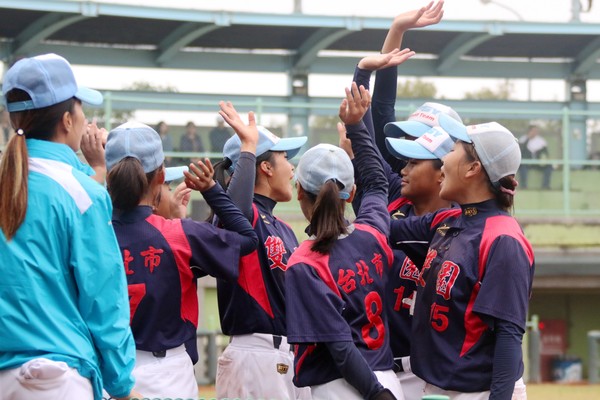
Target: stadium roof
column 94, row 33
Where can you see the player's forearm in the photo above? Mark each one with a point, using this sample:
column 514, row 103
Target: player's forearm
column 507, row 358
column 241, row 187
column 231, row 217
column 354, row 368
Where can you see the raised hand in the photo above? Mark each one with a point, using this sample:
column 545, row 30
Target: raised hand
column 248, row 134
column 430, row 14
column 180, row 198
column 200, row 176
column 355, row 105
column 344, row 143
column 380, row 61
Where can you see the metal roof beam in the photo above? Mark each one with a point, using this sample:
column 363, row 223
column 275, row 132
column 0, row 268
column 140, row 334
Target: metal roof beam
column 42, row 29
column 586, row 59
column 180, row 38
column 303, row 20
column 458, row 47
column 308, row 51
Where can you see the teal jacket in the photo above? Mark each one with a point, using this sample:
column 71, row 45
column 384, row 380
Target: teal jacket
column 63, row 292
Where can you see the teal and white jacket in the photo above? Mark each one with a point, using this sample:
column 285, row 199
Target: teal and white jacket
column 63, row 292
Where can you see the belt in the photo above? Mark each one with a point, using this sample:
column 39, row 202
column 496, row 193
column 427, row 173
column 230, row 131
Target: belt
column 159, row 354
column 277, row 341
column 398, row 367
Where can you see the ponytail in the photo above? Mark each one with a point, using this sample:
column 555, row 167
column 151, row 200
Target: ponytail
column 14, row 168
column 327, row 221
column 504, row 192
column 127, row 183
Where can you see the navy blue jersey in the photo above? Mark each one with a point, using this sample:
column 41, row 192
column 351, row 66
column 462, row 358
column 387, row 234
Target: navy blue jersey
column 162, row 260
column 401, row 288
column 256, row 302
column 479, row 267
column 338, row 297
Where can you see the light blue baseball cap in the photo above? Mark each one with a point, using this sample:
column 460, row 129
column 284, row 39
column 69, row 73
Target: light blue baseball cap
column 174, row 173
column 49, row 80
column 433, row 144
column 496, row 146
column 137, row 140
column 267, row 141
column 322, row 163
column 424, row 118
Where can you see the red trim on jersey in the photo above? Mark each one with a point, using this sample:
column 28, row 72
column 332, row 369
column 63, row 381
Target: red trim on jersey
column 442, row 215
column 381, row 239
column 501, row 225
column 396, row 204
column 251, row 275
column 173, row 233
column 309, row 349
column 320, row 262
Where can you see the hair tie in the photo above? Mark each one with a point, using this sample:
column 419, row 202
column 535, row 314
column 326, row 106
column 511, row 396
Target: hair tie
column 507, row 191
column 20, row 132
column 514, row 182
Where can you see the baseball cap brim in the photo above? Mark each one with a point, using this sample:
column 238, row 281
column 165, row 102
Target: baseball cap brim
column 291, row 145
column 454, row 128
column 402, row 128
column 402, row 148
column 174, row 173
column 89, row 96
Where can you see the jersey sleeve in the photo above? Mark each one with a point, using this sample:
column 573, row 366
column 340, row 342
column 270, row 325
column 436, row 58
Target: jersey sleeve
column 103, row 300
column 371, row 178
column 313, row 310
column 241, row 187
column 506, row 284
column 214, row 251
column 383, row 112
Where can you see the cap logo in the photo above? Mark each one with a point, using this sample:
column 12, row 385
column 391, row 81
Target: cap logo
column 436, row 141
column 426, row 114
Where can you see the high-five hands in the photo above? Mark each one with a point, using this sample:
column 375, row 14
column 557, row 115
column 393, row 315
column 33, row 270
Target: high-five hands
column 355, row 105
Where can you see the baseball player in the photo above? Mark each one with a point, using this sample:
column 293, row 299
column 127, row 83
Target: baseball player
column 414, row 179
column 158, row 254
column 258, row 362
column 335, row 280
column 475, row 283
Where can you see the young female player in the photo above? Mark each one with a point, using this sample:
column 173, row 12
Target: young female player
column 335, row 280
column 257, row 362
column 164, row 257
column 475, row 283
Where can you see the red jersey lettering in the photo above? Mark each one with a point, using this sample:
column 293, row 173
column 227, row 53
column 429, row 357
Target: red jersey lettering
column 363, row 271
column 378, row 263
column 275, row 251
column 346, row 280
column 431, row 254
column 127, row 258
column 446, row 279
column 409, row 271
column 151, row 258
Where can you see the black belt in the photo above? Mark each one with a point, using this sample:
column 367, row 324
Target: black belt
column 159, row 354
column 398, row 365
column 277, row 341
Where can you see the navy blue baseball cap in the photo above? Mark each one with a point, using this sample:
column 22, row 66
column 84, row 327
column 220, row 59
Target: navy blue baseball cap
column 137, row 140
column 49, row 80
column 433, row 144
column 267, row 141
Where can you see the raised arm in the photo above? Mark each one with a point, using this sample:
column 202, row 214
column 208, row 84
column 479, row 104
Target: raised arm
column 241, row 187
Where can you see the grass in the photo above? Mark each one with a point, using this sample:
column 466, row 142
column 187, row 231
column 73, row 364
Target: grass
column 545, row 391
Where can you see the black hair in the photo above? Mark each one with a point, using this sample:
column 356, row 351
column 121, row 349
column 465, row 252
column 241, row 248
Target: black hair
column 127, row 183
column 327, row 220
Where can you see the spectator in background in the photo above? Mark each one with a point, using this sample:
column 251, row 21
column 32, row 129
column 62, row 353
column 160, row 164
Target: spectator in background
column 219, row 135
column 163, row 130
column 191, row 142
column 534, row 147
